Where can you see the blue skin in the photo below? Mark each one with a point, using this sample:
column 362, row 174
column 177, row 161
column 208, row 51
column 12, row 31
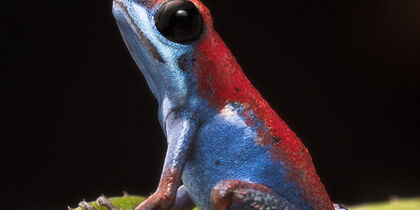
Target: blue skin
column 205, row 144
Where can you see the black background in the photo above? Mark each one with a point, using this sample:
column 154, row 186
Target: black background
column 81, row 121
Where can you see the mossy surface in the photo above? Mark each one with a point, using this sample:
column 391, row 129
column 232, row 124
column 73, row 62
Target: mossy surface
column 126, row 202
column 130, row 202
column 398, row 204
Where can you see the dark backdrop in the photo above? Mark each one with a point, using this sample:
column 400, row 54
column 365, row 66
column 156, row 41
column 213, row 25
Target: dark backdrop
column 81, row 121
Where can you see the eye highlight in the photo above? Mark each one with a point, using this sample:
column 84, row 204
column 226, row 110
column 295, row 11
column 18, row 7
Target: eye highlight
column 179, row 21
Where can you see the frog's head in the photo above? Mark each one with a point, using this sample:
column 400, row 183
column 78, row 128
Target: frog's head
column 161, row 37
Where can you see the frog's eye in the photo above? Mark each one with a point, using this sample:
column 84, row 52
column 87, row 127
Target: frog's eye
column 179, row 21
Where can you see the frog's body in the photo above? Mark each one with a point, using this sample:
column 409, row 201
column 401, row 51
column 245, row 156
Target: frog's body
column 224, row 139
column 226, row 149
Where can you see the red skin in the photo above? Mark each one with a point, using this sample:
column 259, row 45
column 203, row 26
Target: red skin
column 221, row 81
column 164, row 197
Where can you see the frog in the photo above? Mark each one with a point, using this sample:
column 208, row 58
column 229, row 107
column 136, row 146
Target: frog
column 226, row 147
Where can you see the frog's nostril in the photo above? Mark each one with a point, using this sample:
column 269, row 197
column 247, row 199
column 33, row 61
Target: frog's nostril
column 145, row 2
column 148, row 3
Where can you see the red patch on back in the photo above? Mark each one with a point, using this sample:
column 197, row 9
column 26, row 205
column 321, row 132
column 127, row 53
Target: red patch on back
column 221, row 81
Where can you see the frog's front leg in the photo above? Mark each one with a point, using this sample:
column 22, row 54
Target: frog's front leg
column 235, row 194
column 181, row 129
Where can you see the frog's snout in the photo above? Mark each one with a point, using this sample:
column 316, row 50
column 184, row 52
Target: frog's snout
column 148, row 3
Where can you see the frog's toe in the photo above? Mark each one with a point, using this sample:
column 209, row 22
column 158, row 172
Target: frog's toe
column 86, row 206
column 340, row 207
column 103, row 201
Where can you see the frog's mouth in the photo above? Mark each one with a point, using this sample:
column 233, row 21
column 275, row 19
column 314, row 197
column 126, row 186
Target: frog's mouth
column 133, row 22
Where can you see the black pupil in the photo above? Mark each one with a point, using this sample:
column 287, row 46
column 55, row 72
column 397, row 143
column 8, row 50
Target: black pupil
column 179, row 21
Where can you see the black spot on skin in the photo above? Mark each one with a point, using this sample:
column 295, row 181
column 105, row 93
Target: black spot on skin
column 236, row 105
column 276, row 140
column 217, row 162
column 209, row 81
column 236, row 90
column 182, row 62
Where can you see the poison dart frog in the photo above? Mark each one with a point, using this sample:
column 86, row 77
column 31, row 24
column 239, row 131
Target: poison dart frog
column 227, row 148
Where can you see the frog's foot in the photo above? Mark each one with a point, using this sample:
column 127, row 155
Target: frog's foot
column 102, row 201
column 235, row 194
column 340, row 207
column 85, row 206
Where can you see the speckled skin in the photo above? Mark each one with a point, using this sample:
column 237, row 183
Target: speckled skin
column 220, row 131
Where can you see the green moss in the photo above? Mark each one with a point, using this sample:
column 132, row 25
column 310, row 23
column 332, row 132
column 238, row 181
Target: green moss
column 126, row 202
column 399, row 204
column 130, row 202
